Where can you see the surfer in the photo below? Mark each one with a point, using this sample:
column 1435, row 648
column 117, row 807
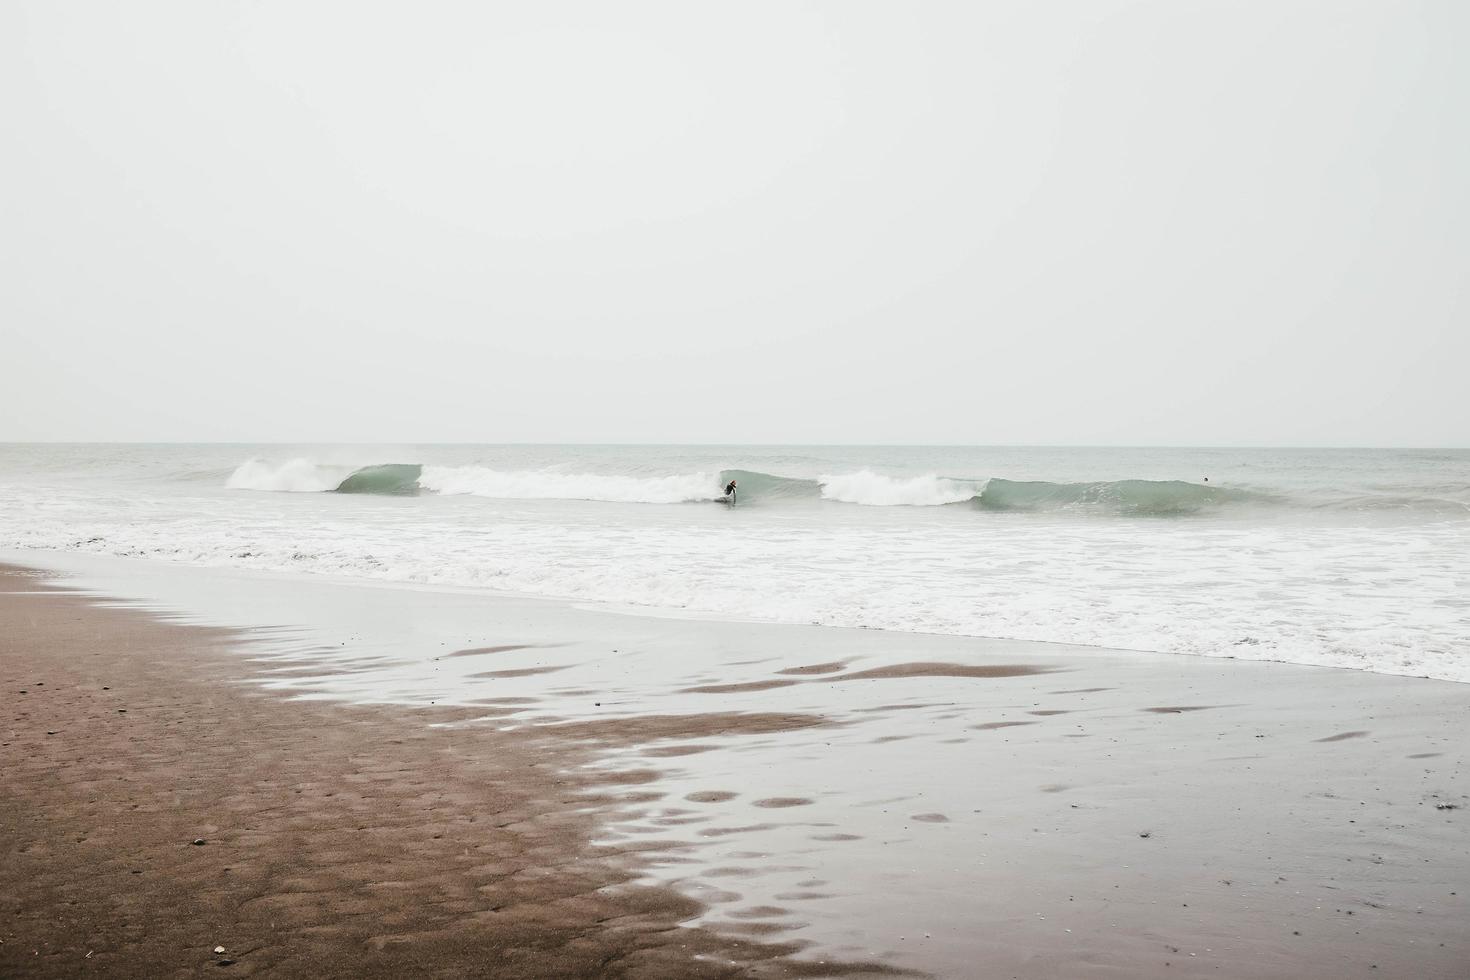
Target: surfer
column 730, row 491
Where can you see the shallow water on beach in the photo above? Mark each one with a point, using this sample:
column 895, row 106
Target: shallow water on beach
column 1352, row 558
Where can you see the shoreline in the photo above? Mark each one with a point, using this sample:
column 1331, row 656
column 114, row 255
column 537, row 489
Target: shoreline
column 336, row 839
column 72, row 564
column 770, row 787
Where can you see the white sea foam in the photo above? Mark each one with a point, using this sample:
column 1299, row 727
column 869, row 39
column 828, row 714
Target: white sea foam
column 873, row 489
column 296, row 475
column 302, row 475
column 1372, row 590
column 552, row 485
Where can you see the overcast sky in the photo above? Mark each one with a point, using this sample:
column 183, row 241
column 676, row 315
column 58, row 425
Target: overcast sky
column 1098, row 222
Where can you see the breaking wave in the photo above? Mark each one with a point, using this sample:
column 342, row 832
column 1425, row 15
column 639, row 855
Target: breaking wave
column 763, row 488
column 293, row 476
column 482, row 481
column 1120, row 498
column 875, row 490
column 1158, row 498
column 390, row 478
column 309, row 476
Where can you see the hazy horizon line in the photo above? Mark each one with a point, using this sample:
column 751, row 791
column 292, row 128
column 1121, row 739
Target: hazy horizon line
column 726, row 445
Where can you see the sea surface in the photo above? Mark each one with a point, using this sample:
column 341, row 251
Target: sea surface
column 1344, row 558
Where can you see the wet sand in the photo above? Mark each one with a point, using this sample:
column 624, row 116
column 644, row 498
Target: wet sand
column 155, row 807
column 552, row 791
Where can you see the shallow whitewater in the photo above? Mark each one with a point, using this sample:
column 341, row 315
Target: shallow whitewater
column 834, row 541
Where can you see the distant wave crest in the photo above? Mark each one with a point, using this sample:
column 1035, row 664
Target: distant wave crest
column 1109, row 498
column 863, row 487
column 1159, row 498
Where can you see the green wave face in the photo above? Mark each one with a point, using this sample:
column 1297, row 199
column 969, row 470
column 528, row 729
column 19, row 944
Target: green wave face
column 1149, row 498
column 754, row 486
column 389, row 478
column 1127, row 498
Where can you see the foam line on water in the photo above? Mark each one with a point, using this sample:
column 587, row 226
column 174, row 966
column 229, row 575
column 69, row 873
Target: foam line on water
column 876, row 490
column 483, row 481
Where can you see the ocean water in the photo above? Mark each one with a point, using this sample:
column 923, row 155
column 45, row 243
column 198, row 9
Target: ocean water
column 1344, row 558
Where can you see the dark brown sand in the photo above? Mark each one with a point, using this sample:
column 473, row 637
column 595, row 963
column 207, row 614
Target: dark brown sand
column 521, row 671
column 155, row 807
column 830, row 668
column 479, row 651
column 876, row 673
column 738, row 688
column 942, row 670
